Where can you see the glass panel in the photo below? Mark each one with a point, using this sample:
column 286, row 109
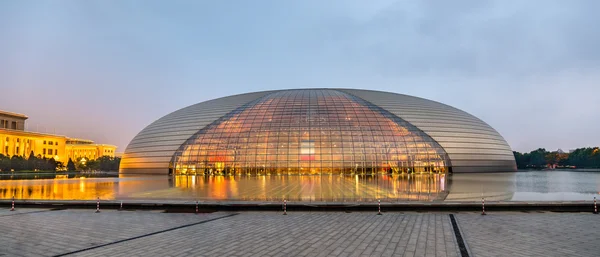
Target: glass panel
column 309, row 132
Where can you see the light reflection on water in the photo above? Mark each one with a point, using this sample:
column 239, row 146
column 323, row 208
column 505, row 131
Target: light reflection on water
column 425, row 187
column 520, row 186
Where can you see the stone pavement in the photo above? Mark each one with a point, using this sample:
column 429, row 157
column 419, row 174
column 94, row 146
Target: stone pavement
column 81, row 232
column 532, row 234
column 31, row 232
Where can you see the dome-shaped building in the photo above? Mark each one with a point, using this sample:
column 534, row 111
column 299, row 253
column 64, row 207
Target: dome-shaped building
column 317, row 131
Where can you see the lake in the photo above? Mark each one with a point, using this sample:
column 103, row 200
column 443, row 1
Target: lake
column 520, row 186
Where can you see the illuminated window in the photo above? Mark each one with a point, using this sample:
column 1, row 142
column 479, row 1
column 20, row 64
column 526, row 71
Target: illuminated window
column 309, row 132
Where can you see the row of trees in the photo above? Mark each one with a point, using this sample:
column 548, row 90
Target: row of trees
column 19, row 163
column 104, row 163
column 588, row 157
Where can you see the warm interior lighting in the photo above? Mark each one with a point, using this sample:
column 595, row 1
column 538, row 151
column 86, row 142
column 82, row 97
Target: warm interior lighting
column 308, row 133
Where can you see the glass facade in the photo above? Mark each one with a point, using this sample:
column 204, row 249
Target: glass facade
column 308, row 132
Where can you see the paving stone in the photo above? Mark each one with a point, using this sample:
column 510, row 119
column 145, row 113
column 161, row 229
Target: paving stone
column 531, row 234
column 48, row 233
column 40, row 232
column 247, row 234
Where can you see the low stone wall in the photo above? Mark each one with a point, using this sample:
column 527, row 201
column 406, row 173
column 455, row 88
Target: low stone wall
column 189, row 206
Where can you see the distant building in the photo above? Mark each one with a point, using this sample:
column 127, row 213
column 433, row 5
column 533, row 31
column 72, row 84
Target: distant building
column 14, row 140
column 83, row 148
column 9, row 120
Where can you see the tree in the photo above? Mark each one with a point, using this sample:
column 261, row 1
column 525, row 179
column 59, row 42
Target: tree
column 4, row 163
column 17, row 163
column 552, row 159
column 92, row 165
column 50, row 164
column 596, row 157
column 60, row 166
column 116, row 163
column 80, row 164
column 70, row 165
column 107, row 163
column 521, row 159
column 538, row 158
column 584, row 157
column 563, row 159
column 31, row 162
column 588, row 157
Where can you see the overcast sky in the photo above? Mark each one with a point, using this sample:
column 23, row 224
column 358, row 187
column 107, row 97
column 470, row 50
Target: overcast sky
column 104, row 70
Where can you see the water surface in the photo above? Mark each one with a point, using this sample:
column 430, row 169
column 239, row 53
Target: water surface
column 519, row 186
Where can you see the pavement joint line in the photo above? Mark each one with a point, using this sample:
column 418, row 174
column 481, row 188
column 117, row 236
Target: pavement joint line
column 31, row 212
column 146, row 235
column 460, row 240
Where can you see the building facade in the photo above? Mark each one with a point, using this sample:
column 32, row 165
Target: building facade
column 317, row 131
column 15, row 141
column 10, row 120
column 83, row 148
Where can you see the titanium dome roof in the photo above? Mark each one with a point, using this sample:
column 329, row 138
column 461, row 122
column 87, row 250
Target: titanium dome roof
column 317, row 131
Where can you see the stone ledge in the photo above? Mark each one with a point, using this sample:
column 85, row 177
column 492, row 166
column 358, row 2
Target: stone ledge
column 573, row 206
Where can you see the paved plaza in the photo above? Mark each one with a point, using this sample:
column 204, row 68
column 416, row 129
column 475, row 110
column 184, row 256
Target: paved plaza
column 532, row 234
column 81, row 232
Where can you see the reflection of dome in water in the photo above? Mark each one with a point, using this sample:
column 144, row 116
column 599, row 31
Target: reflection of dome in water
column 473, row 187
column 367, row 188
column 317, row 131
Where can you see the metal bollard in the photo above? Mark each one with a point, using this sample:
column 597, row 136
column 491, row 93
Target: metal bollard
column 378, row 207
column 595, row 207
column 121, row 206
column 482, row 206
column 284, row 207
column 12, row 208
column 98, row 205
column 196, row 207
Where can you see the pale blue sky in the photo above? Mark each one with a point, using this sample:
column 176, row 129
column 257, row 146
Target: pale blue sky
column 104, row 69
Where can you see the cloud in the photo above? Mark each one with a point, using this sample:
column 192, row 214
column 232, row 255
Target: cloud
column 526, row 67
column 472, row 38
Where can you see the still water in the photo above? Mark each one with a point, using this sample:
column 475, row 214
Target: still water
column 520, row 186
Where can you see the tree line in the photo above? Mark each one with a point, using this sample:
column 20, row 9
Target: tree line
column 33, row 162
column 588, row 157
column 104, row 163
